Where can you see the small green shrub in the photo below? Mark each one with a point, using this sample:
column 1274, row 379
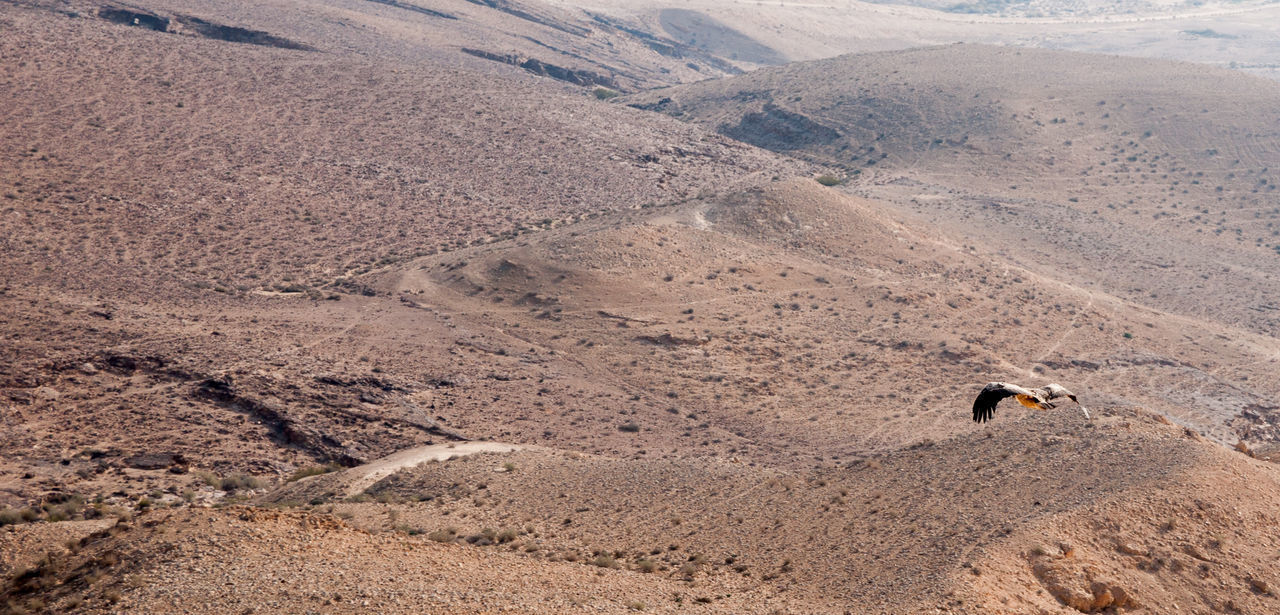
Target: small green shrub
column 605, row 93
column 829, row 180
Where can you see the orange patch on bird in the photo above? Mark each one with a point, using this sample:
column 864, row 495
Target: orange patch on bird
column 1028, row 401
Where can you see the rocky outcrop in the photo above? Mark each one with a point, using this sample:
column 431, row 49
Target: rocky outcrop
column 1079, row 585
column 416, row 9
column 538, row 67
column 284, row 428
column 667, row 340
column 233, row 34
column 132, row 17
column 779, row 129
column 194, row 26
column 174, row 462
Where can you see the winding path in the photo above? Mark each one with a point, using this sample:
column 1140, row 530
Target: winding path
column 359, row 478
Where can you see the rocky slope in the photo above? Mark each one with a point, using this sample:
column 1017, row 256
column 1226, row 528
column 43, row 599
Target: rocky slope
column 262, row 260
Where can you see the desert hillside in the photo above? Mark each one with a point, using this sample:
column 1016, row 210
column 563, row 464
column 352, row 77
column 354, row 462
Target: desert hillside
column 464, row 306
column 1153, row 181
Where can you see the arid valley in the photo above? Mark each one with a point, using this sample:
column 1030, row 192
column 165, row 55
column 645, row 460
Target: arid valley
column 570, row 306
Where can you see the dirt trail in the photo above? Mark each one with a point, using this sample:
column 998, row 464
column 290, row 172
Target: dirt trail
column 359, row 478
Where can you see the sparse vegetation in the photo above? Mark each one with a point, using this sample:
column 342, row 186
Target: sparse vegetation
column 230, row 484
column 448, row 534
column 11, row 516
column 302, row 473
column 503, row 259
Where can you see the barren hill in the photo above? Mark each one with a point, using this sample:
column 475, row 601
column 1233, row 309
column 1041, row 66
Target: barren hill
column 707, row 302
column 1152, row 180
column 262, row 260
column 1126, row 515
column 179, row 249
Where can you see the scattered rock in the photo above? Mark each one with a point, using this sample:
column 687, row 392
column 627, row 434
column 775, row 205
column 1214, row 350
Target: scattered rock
column 88, row 369
column 46, row 394
column 1077, row 586
column 1129, row 549
column 155, row 461
column 668, row 340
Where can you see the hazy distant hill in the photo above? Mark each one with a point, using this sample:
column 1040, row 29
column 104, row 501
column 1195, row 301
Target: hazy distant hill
column 1071, row 8
column 1154, row 180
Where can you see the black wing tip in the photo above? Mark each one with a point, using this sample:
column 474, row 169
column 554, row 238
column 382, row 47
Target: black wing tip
column 983, row 413
column 984, row 407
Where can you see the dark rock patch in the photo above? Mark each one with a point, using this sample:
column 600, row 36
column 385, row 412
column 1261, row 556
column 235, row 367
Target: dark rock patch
column 132, row 17
column 233, row 34
column 515, row 11
column 416, row 9
column 156, row 461
column 543, row 69
column 777, row 129
column 195, row 26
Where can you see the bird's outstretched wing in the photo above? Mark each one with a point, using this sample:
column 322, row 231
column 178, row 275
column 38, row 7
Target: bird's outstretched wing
column 1054, row 391
column 984, row 407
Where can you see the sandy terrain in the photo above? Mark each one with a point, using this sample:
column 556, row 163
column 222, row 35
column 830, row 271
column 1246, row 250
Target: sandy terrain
column 395, row 307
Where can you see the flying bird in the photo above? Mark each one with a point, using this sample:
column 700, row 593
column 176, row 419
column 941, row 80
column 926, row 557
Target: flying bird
column 984, row 407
